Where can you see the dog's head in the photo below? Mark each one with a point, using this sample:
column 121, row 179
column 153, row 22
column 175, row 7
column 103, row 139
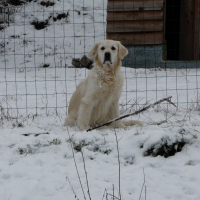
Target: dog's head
column 108, row 53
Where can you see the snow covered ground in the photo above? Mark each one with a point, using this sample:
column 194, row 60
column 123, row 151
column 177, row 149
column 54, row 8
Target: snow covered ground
column 36, row 157
column 36, row 154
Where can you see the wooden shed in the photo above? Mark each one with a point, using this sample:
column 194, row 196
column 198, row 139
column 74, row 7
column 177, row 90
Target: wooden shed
column 135, row 22
column 171, row 25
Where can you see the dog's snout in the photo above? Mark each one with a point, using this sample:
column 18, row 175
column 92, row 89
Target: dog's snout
column 107, row 56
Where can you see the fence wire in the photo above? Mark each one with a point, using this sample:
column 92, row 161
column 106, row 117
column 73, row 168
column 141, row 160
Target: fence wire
column 39, row 39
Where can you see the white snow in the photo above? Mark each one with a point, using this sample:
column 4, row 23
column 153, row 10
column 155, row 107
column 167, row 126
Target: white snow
column 35, row 150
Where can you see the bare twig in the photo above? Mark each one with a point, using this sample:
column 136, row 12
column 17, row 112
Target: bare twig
column 135, row 103
column 86, row 175
column 105, row 192
column 114, row 197
column 168, row 99
column 72, row 188
column 145, row 192
column 72, row 146
column 143, row 187
column 113, row 192
column 119, row 165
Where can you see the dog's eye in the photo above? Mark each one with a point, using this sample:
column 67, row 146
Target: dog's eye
column 102, row 48
column 113, row 48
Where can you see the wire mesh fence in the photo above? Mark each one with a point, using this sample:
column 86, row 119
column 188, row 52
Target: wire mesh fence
column 39, row 39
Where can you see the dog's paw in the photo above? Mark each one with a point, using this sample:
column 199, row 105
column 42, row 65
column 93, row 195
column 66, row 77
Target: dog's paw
column 82, row 126
column 132, row 123
column 69, row 121
column 117, row 124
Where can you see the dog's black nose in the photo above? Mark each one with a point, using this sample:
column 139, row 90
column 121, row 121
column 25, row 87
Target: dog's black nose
column 107, row 56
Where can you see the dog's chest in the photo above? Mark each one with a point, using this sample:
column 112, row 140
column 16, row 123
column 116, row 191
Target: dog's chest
column 109, row 84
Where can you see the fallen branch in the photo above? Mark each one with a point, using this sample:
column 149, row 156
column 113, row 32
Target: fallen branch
column 168, row 99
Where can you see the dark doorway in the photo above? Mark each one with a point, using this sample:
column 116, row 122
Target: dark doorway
column 172, row 29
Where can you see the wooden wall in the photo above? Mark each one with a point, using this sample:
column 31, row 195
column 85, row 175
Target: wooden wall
column 135, row 22
column 190, row 30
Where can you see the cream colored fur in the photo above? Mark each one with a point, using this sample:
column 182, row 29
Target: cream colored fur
column 96, row 99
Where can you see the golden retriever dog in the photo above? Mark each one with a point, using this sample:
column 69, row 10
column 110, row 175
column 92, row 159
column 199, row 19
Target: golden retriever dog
column 96, row 99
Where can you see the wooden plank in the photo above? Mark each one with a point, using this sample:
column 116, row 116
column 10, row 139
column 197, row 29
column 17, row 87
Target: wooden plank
column 190, row 30
column 186, row 44
column 197, row 30
column 137, row 38
column 136, row 5
column 164, row 20
column 134, row 26
column 134, row 15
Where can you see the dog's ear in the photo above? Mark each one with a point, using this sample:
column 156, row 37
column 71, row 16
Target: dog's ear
column 122, row 51
column 93, row 50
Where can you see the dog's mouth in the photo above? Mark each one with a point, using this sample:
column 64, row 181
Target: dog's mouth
column 107, row 57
